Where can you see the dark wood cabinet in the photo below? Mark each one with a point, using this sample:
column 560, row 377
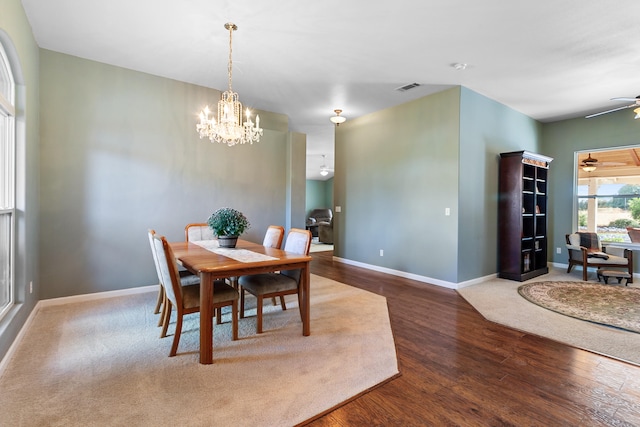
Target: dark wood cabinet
column 522, row 215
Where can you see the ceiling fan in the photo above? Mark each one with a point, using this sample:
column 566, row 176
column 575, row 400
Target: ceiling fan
column 324, row 170
column 636, row 103
column 589, row 164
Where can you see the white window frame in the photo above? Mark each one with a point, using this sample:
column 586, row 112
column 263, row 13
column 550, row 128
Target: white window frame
column 7, row 180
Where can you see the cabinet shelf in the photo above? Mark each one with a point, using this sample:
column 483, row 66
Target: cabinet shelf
column 522, row 215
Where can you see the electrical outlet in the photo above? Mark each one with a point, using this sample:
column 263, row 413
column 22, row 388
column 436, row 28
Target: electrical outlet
column 447, row 211
column 381, row 252
column 558, row 250
column 31, row 287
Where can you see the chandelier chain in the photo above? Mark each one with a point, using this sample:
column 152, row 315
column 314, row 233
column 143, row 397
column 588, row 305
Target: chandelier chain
column 230, row 65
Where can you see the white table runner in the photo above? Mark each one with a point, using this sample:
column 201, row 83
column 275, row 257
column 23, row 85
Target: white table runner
column 242, row 255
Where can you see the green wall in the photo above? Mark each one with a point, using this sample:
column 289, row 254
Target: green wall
column 319, row 194
column 22, row 51
column 396, row 171
column 487, row 128
column 561, row 140
column 120, row 154
column 399, row 169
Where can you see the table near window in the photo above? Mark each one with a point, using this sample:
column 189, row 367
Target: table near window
column 211, row 262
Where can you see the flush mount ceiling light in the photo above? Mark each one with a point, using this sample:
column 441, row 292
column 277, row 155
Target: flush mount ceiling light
column 589, row 164
column 337, row 119
column 459, row 66
column 229, row 128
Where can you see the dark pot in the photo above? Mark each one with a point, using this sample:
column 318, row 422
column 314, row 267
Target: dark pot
column 227, row 241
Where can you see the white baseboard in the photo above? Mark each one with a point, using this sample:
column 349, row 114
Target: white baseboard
column 96, row 296
column 419, row 278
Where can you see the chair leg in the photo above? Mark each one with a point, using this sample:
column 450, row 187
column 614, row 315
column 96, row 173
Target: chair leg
column 584, row 273
column 166, row 314
column 300, row 305
column 259, row 314
column 218, row 312
column 164, row 310
column 273, row 301
column 570, row 267
column 176, row 336
column 241, row 303
column 282, row 303
column 234, row 319
column 159, row 301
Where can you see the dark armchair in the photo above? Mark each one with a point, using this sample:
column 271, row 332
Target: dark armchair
column 325, row 232
column 318, row 217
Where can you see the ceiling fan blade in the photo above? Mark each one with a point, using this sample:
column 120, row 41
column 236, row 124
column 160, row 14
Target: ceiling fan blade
column 636, row 99
column 609, row 111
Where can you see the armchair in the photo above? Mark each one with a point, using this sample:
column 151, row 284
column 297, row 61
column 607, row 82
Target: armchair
column 586, row 250
column 317, row 217
column 325, row 232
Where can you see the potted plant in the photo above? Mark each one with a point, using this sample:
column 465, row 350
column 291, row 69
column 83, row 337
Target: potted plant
column 227, row 224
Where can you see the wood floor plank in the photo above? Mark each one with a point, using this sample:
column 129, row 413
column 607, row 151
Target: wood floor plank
column 460, row 369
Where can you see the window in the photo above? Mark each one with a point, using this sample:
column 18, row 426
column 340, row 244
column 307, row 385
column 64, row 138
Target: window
column 608, row 198
column 7, row 183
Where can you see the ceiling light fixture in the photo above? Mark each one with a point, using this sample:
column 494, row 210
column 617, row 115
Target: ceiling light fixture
column 337, row 119
column 459, row 66
column 323, row 169
column 229, row 128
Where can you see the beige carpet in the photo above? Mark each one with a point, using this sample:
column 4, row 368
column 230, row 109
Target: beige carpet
column 498, row 300
column 102, row 363
column 316, row 246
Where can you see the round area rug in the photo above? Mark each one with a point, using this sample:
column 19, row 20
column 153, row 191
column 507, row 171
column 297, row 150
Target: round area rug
column 610, row 305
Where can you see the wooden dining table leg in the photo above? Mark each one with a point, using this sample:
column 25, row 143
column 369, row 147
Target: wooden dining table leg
column 206, row 318
column 306, row 297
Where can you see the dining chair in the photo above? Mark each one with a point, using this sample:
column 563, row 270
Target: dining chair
column 186, row 299
column 198, row 231
column 273, row 239
column 186, row 278
column 268, row 285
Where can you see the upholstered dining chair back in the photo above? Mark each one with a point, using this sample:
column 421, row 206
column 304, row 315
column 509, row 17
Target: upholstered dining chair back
column 160, row 299
column 273, row 236
column 298, row 242
column 168, row 271
column 198, row 231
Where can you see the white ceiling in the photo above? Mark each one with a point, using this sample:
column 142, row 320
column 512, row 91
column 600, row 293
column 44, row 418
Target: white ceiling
column 548, row 59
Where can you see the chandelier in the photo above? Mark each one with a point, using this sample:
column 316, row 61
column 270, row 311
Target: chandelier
column 229, row 128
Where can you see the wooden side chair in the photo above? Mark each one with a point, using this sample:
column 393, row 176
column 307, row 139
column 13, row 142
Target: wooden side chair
column 271, row 285
column 198, row 231
column 586, row 251
column 186, row 279
column 186, row 299
column 273, row 236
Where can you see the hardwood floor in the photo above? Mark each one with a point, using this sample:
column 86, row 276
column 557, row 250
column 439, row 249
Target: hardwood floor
column 459, row 369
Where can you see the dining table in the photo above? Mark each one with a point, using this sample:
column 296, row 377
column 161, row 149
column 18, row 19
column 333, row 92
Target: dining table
column 206, row 259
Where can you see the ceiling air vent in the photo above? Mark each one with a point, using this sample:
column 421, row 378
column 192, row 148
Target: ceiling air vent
column 407, row 87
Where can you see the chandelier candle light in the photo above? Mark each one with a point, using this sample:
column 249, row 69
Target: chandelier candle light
column 229, row 128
